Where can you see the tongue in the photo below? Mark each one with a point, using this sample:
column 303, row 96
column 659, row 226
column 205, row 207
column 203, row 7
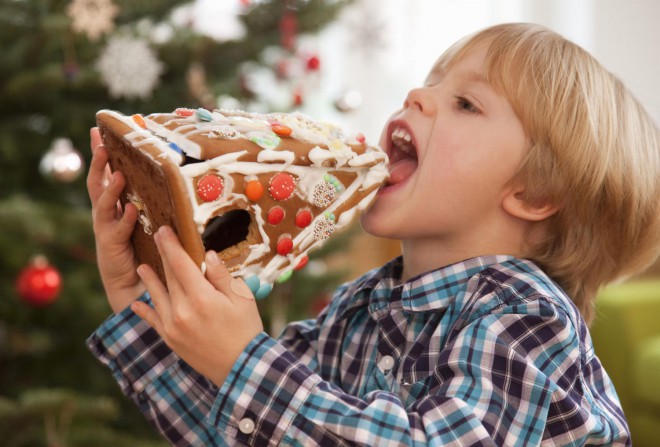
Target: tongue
column 401, row 170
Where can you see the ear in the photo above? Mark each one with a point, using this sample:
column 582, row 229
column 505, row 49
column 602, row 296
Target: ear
column 516, row 204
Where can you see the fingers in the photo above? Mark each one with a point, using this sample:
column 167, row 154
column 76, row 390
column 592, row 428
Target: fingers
column 97, row 174
column 181, row 267
column 106, row 202
column 149, row 315
column 95, row 138
column 159, row 296
column 127, row 222
column 223, row 281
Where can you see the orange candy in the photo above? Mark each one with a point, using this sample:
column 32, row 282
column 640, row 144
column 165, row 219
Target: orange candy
column 281, row 129
column 254, row 190
column 139, row 121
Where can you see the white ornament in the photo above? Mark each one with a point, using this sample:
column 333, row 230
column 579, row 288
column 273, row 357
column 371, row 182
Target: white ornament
column 62, row 162
column 129, row 68
column 349, row 100
column 92, row 17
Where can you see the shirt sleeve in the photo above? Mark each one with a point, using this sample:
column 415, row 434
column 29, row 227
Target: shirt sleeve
column 174, row 398
column 503, row 378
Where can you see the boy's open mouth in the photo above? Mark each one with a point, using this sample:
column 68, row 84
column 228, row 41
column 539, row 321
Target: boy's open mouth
column 402, row 154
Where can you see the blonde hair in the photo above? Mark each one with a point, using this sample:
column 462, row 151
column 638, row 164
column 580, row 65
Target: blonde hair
column 594, row 151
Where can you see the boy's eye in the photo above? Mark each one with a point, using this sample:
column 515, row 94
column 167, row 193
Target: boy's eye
column 465, row 105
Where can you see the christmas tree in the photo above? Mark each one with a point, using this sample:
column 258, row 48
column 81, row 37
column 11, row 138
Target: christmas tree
column 61, row 61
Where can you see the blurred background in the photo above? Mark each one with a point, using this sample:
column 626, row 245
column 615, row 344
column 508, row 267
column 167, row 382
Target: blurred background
column 346, row 61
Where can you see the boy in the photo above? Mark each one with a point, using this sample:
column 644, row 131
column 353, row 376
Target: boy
column 522, row 174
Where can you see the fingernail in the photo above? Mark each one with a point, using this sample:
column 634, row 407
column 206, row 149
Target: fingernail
column 158, row 235
column 212, row 258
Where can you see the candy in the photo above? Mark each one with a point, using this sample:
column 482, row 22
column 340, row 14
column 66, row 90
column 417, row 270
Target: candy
column 204, row 114
column 303, row 218
column 281, row 186
column 175, row 147
column 259, row 290
column 254, row 190
column 281, row 129
column 210, row 187
column 334, row 181
column 275, row 215
column 323, row 228
column 360, row 138
column 323, row 195
column 224, row 133
column 181, row 111
column 302, row 263
column 264, row 291
column 265, row 141
column 285, row 276
column 284, row 245
column 139, row 121
column 253, row 283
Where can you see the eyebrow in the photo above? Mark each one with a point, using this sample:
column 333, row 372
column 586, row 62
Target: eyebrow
column 476, row 77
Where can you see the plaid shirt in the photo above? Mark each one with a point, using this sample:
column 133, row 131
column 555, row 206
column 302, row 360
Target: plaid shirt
column 488, row 351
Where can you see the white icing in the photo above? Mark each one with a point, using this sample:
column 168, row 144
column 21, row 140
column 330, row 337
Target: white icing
column 269, row 156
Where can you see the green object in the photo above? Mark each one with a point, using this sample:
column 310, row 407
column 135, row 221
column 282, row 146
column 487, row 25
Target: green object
column 626, row 335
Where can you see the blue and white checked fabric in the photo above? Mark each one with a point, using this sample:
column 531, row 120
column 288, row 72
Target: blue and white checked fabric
column 488, row 351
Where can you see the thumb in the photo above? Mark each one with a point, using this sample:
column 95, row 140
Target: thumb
column 220, row 278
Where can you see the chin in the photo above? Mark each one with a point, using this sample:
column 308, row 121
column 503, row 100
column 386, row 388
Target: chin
column 377, row 224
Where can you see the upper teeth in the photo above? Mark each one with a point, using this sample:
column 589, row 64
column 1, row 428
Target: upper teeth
column 402, row 139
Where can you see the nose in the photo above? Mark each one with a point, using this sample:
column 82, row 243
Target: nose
column 419, row 99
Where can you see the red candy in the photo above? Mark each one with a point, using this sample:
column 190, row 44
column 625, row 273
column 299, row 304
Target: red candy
column 210, row 187
column 139, row 121
column 184, row 112
column 281, row 129
column 282, row 186
column 275, row 215
column 361, row 138
column 284, row 245
column 302, row 263
column 303, row 218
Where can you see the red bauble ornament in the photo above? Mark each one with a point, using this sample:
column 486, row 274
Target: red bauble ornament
column 298, row 99
column 313, row 63
column 39, row 283
column 288, row 30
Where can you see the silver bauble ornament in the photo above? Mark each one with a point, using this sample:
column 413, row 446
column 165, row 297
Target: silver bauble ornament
column 62, row 162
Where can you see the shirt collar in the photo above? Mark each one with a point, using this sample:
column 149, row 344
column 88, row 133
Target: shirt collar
column 381, row 289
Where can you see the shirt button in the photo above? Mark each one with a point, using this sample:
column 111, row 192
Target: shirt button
column 246, row 426
column 386, row 363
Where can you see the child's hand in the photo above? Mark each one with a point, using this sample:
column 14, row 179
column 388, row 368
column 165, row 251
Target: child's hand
column 207, row 321
column 112, row 230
